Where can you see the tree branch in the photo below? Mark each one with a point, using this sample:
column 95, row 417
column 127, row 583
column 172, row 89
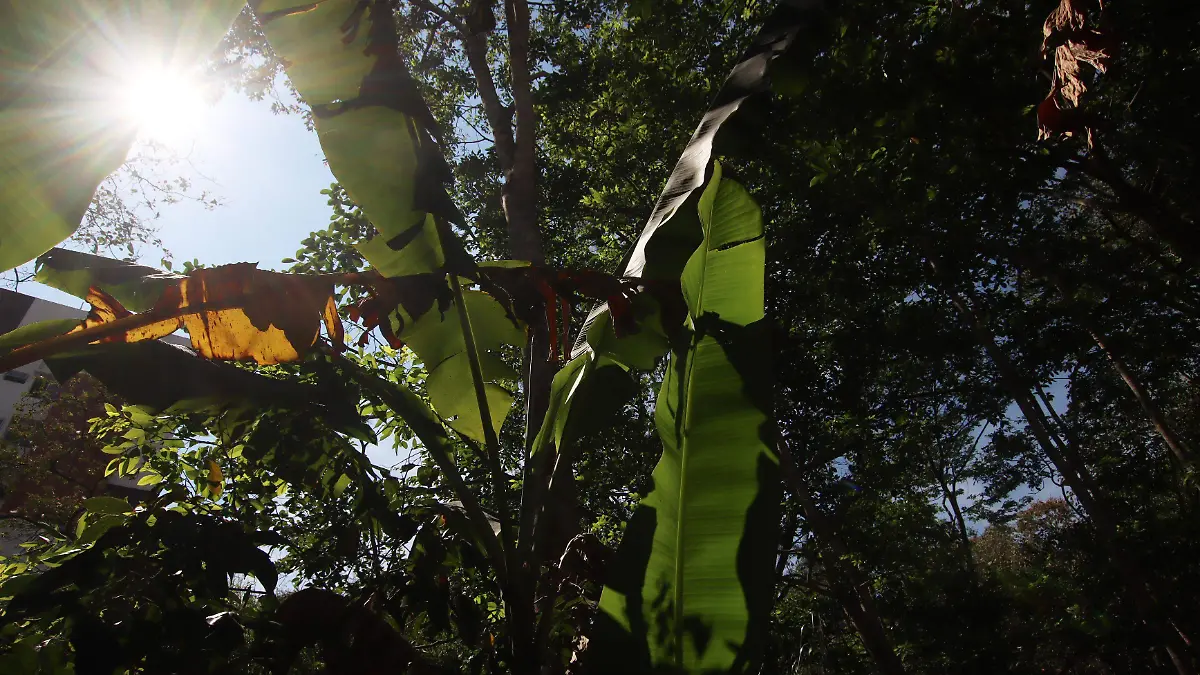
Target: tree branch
column 31, row 521
column 441, row 12
column 499, row 117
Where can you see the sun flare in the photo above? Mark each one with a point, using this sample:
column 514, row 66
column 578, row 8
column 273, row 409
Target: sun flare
column 167, row 105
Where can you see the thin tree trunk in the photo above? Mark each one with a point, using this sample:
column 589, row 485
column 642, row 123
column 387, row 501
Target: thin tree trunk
column 514, row 145
column 1158, row 419
column 789, row 539
column 960, row 522
column 520, row 185
column 859, row 603
column 1174, row 442
column 1077, row 477
column 515, row 150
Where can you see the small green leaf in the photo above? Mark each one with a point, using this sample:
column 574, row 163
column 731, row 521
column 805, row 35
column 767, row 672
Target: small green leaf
column 111, row 505
column 97, row 528
column 340, row 486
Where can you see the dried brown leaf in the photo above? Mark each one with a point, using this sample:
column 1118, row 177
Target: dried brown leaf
column 1073, row 44
column 233, row 313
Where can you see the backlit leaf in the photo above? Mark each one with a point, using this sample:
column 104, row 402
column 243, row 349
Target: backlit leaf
column 59, row 137
column 748, row 77
column 377, row 133
column 35, row 332
column 216, row 479
column 137, row 287
column 690, row 588
column 437, row 339
column 102, row 504
column 232, row 312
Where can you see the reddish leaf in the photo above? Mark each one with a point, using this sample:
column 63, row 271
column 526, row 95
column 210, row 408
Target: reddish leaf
column 1066, row 35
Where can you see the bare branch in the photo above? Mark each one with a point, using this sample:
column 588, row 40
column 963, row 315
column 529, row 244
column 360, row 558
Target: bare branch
column 441, row 12
column 32, row 521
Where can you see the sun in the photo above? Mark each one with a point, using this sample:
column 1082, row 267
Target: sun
column 166, row 104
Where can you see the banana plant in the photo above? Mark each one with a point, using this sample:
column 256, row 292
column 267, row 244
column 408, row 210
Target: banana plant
column 689, row 589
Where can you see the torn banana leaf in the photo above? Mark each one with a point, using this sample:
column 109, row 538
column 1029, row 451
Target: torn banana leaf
column 690, row 587
column 137, row 287
column 231, row 312
column 376, row 131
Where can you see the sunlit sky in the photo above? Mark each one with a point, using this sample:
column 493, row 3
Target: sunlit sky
column 266, row 169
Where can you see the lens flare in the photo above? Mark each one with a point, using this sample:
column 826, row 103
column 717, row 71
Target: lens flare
column 167, row 105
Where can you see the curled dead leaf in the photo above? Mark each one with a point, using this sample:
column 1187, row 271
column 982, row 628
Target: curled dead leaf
column 216, row 479
column 233, row 313
column 1073, row 44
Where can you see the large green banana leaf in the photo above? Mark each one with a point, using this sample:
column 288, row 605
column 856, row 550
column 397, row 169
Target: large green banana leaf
column 61, row 132
column 609, row 360
column 669, row 235
column 374, row 127
column 378, row 136
column 690, row 588
column 437, row 339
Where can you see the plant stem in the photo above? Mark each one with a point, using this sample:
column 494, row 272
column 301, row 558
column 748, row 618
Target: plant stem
column 491, row 442
column 516, row 598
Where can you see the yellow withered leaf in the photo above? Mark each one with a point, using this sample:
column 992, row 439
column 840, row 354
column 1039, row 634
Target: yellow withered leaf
column 233, row 312
column 216, row 479
column 106, row 310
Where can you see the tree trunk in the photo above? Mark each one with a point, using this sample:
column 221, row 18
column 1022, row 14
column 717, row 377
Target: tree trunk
column 1178, row 447
column 1077, row 477
column 790, row 528
column 859, row 604
column 1162, row 425
column 959, row 521
column 520, row 185
column 515, row 150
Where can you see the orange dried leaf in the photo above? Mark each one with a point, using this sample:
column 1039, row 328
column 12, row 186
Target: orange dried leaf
column 105, row 310
column 1065, row 33
column 269, row 317
column 232, row 312
column 216, row 479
